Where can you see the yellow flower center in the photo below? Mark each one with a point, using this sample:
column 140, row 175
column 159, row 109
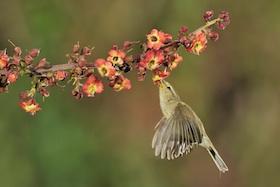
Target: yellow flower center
column 198, row 48
column 103, row 71
column 152, row 64
column 30, row 108
column 115, row 58
column 118, row 87
column 154, row 38
column 91, row 89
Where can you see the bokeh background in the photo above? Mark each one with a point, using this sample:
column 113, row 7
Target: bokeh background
column 234, row 87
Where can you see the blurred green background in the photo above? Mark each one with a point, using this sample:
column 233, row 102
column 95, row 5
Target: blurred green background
column 106, row 141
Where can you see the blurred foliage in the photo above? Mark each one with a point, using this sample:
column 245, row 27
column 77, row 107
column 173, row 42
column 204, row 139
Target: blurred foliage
column 105, row 141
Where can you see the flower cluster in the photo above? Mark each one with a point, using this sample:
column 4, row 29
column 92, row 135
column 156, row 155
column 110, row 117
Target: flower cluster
column 159, row 55
column 111, row 69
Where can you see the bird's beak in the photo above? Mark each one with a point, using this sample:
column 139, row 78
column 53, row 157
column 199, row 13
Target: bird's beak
column 161, row 84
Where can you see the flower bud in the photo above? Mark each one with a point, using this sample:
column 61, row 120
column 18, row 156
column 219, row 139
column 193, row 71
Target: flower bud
column 76, row 48
column 60, row 75
column 12, row 77
column 213, row 36
column 77, row 94
column 86, row 51
column 17, row 51
column 44, row 92
column 34, row 53
column 208, row 15
column 28, row 59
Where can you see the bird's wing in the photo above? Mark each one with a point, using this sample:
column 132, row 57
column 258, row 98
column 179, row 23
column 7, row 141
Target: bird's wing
column 190, row 120
column 177, row 134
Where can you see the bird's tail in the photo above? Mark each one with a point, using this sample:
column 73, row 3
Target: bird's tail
column 214, row 155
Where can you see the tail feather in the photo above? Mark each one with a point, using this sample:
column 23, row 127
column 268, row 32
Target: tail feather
column 215, row 156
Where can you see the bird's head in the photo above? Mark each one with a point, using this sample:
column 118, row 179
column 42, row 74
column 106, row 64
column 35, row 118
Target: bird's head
column 167, row 92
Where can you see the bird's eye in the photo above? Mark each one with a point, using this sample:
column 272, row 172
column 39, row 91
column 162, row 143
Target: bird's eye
column 169, row 87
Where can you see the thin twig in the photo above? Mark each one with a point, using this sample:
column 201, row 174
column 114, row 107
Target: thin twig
column 68, row 66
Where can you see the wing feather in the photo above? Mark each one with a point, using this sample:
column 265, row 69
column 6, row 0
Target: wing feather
column 177, row 134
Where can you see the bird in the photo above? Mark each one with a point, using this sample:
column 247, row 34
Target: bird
column 180, row 129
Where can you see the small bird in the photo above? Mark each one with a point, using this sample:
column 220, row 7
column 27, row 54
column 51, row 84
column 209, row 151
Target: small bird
column 180, row 129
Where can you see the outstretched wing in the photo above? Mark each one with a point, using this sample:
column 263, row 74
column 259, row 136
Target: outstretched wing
column 177, row 134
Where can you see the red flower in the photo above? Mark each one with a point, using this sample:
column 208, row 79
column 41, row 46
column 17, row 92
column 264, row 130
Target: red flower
column 156, row 39
column 160, row 75
column 12, row 77
column 60, row 75
column 105, row 68
column 92, row 86
column 153, row 60
column 30, row 106
column 198, row 43
column 4, row 59
column 175, row 59
column 120, row 83
column 116, row 56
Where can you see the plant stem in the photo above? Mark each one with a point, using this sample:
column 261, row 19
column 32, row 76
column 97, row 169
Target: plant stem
column 68, row 66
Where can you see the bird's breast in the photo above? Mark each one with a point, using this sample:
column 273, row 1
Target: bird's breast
column 168, row 108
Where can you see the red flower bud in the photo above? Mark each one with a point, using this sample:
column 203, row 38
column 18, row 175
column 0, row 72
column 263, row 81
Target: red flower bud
column 24, row 95
column 213, row 36
column 221, row 25
column 76, row 48
column 208, row 15
column 128, row 44
column 34, row 53
column 44, row 92
column 17, row 51
column 28, row 59
column 120, row 83
column 42, row 63
column 16, row 60
column 86, row 51
column 225, row 20
column 4, row 59
column 174, row 60
column 183, row 29
column 60, row 75
column 141, row 72
column 12, row 77
column 77, row 94
column 224, row 15
column 82, row 61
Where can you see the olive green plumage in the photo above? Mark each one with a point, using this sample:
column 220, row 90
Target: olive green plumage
column 180, row 129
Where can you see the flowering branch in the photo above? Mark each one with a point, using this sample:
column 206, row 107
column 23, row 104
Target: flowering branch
column 159, row 55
